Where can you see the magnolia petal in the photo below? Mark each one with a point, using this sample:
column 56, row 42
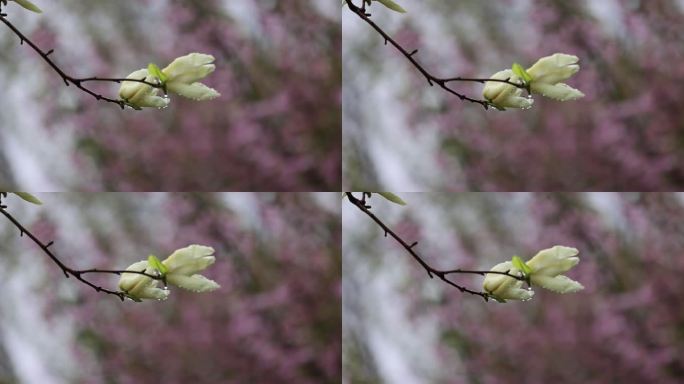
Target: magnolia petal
column 504, row 287
column 129, row 281
column 147, row 289
column 516, row 292
column 511, row 290
column 152, row 101
column 498, row 90
column 194, row 91
column 184, row 73
column 148, row 101
column 29, row 5
column 195, row 283
column 559, row 284
column 189, row 260
column 151, row 293
column 139, row 286
column 554, row 69
column 518, row 102
column 392, row 5
column 504, row 95
column 560, row 92
column 190, row 68
column 494, row 282
column 129, row 89
column 554, row 261
column 28, row 197
column 141, row 95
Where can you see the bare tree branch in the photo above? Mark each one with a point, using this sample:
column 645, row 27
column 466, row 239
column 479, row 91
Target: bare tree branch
column 78, row 274
column 442, row 82
column 68, row 79
column 443, row 275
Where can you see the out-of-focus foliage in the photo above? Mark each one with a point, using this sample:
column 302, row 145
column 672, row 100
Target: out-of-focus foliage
column 625, row 326
column 626, row 134
column 275, row 127
column 276, row 317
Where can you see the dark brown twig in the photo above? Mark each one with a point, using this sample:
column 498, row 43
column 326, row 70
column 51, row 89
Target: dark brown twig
column 68, row 80
column 431, row 271
column 78, row 274
column 442, row 82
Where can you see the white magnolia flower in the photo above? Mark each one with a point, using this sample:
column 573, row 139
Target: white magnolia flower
column 139, row 286
column 502, row 287
column 545, row 269
column 503, row 95
column 549, row 264
column 549, row 72
column 183, row 74
column 184, row 264
column 141, row 95
column 28, row 5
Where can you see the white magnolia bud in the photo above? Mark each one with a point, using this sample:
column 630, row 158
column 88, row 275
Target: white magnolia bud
column 28, row 5
column 504, row 287
column 183, row 265
column 139, row 286
column 141, row 95
column 548, row 265
column 504, row 95
column 549, row 72
column 184, row 73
